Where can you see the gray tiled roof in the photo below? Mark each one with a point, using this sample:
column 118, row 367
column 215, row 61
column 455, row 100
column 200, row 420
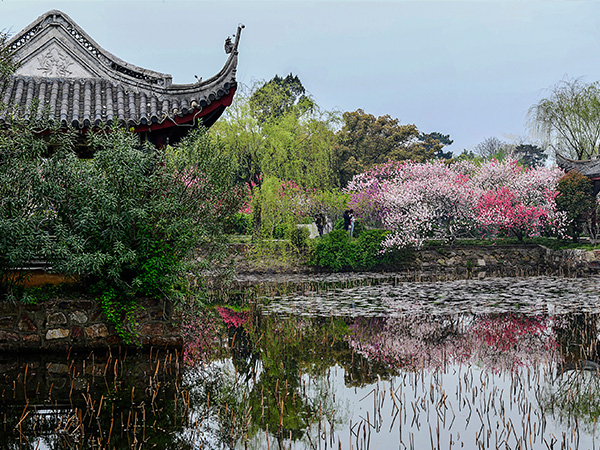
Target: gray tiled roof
column 85, row 102
column 589, row 168
column 65, row 76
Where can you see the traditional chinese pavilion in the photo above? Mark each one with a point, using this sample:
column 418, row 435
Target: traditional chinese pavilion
column 64, row 76
column 590, row 168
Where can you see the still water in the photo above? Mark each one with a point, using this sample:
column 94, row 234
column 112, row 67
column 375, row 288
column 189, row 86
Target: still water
column 500, row 363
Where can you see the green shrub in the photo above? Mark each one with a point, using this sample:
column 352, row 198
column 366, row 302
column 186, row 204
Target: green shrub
column 299, row 238
column 333, row 251
column 367, row 249
column 24, row 211
column 337, row 251
column 358, row 227
column 238, row 223
column 125, row 221
column 131, row 216
column 576, row 199
column 282, row 230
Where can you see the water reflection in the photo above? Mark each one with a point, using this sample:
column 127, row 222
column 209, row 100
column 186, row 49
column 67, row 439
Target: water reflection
column 497, row 342
column 522, row 374
column 92, row 401
column 456, row 381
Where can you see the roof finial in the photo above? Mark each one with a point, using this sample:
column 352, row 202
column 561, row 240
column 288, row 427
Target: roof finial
column 228, row 45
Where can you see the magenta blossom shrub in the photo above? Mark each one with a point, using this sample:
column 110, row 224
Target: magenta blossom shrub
column 504, row 211
column 232, row 318
column 517, row 200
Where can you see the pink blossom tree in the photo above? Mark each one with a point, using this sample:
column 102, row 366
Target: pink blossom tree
column 422, row 200
column 516, row 200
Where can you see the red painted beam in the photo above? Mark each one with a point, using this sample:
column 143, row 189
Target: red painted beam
column 188, row 118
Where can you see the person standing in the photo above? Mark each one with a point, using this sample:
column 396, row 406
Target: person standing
column 320, row 222
column 351, row 214
column 346, row 219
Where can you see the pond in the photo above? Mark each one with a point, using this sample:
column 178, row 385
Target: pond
column 501, row 363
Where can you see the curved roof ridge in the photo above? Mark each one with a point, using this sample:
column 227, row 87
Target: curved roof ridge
column 58, row 18
column 588, row 167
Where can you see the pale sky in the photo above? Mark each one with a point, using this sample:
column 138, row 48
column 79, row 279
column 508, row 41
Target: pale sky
column 471, row 69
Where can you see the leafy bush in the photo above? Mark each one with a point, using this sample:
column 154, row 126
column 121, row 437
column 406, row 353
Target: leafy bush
column 333, row 251
column 576, row 200
column 367, row 249
column 25, row 213
column 239, row 223
column 337, row 251
column 131, row 216
column 299, row 238
column 282, row 230
column 126, row 221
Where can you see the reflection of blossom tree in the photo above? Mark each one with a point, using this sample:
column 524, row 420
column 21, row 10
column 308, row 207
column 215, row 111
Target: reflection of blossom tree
column 509, row 341
column 409, row 342
column 498, row 342
column 200, row 331
column 232, row 318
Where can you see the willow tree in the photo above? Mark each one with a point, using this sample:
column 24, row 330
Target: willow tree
column 568, row 120
column 275, row 130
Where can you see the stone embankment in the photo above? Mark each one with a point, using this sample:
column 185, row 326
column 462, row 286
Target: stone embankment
column 575, row 260
column 81, row 324
column 78, row 325
column 504, row 261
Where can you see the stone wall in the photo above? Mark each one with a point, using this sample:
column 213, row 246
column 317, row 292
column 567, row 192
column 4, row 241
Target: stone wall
column 503, row 261
column 580, row 261
column 79, row 325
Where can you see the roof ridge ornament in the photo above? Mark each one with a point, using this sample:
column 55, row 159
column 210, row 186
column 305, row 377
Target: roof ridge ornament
column 56, row 18
column 233, row 46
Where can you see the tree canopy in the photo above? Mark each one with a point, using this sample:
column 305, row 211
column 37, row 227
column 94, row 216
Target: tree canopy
column 366, row 140
column 490, row 148
column 569, row 118
column 279, row 96
column 436, row 141
column 530, row 155
column 275, row 129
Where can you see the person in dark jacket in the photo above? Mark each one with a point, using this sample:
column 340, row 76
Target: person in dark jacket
column 346, row 219
column 320, row 222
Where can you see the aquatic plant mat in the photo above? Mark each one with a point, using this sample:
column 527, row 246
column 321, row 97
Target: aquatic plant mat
column 473, row 364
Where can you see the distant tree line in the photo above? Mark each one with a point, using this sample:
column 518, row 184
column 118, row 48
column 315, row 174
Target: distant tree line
column 276, row 128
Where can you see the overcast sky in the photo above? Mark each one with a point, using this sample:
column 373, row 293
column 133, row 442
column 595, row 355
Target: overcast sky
column 470, row 69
